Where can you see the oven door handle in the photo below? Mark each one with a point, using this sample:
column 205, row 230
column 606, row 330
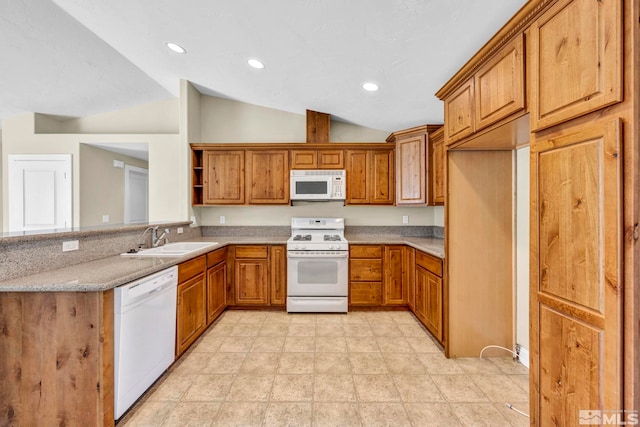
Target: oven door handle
column 301, row 254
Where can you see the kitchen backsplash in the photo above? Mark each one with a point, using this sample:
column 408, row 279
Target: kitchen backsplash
column 35, row 254
column 393, row 230
column 271, row 231
column 258, row 230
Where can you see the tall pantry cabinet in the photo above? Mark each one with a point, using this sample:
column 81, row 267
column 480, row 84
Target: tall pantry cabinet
column 580, row 117
column 576, row 210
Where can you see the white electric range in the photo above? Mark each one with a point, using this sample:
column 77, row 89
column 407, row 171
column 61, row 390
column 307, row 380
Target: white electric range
column 317, row 266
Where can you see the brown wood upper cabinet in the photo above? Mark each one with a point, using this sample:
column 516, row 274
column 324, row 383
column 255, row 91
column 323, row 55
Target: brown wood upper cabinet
column 411, row 167
column 576, row 60
column 317, row 159
column 416, row 167
column 459, row 115
column 499, row 84
column 268, row 176
column 496, row 91
column 223, row 181
column 437, row 167
column 370, row 177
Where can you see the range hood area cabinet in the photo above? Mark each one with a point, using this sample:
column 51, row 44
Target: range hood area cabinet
column 419, row 165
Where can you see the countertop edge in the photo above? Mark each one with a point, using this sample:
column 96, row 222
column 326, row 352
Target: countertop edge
column 432, row 246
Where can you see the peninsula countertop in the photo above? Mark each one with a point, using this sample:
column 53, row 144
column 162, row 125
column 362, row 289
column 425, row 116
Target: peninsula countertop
column 112, row 271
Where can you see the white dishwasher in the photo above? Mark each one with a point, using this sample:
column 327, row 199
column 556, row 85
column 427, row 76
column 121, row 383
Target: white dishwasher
column 144, row 333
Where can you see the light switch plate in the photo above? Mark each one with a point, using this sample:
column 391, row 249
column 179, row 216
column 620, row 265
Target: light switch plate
column 105, row 218
column 180, row 230
column 71, row 245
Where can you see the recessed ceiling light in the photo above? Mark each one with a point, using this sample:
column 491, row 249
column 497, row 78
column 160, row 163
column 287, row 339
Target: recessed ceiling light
column 176, row 47
column 370, row 87
column 255, row 63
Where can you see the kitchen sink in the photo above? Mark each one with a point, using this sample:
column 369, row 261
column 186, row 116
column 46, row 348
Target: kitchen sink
column 176, row 249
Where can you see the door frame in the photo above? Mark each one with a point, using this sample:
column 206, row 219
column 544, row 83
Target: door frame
column 127, row 170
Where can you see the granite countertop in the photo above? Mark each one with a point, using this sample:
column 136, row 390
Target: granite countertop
column 430, row 245
column 110, row 272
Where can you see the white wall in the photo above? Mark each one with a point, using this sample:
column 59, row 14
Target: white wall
column 102, row 185
column 226, row 121
column 157, row 117
column 1, row 188
column 522, row 247
column 168, row 196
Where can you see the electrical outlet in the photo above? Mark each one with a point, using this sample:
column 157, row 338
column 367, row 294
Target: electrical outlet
column 222, row 219
column 405, row 219
column 71, row 245
column 180, row 230
column 105, row 218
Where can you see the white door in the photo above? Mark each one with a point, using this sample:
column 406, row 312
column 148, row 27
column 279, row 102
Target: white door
column 136, row 194
column 40, row 192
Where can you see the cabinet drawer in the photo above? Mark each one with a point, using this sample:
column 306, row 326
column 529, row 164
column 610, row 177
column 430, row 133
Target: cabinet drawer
column 365, row 269
column 365, row 293
column 365, row 251
column 251, row 252
column 429, row 262
column 191, row 268
column 216, row 256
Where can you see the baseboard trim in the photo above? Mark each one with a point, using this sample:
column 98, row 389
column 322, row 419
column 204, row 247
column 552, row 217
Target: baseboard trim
column 523, row 357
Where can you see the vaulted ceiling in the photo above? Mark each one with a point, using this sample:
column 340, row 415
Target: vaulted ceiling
column 82, row 57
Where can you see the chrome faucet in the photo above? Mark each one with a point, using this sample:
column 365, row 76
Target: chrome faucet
column 155, row 239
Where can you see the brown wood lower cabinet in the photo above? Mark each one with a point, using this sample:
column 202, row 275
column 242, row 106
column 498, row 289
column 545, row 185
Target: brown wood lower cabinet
column 259, row 275
column 365, row 275
column 202, row 296
column 278, row 275
column 395, row 273
column 216, row 284
column 191, row 314
column 429, row 291
column 56, row 358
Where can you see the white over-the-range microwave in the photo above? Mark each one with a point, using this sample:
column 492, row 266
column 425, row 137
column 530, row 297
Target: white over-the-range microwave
column 318, row 184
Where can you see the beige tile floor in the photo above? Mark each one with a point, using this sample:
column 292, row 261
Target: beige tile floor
column 358, row 369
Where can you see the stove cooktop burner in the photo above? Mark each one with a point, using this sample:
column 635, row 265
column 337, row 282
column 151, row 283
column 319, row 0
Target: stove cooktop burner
column 300, row 237
column 332, row 238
